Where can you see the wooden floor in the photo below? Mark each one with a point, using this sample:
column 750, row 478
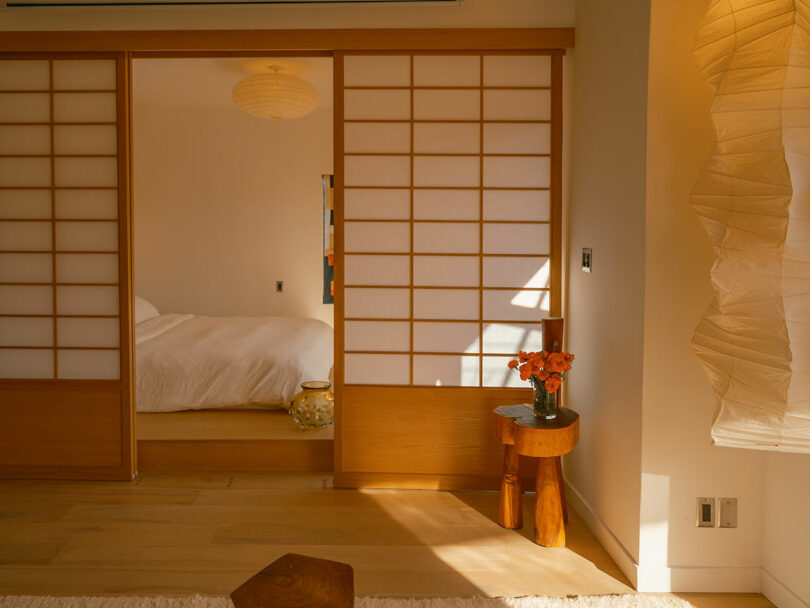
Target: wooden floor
column 183, row 534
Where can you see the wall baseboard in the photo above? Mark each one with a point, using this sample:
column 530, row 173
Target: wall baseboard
column 781, row 595
column 665, row 578
column 698, row 579
column 604, row 535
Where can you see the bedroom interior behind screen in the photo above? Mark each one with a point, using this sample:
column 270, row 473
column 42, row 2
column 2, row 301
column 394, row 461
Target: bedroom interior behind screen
column 226, row 206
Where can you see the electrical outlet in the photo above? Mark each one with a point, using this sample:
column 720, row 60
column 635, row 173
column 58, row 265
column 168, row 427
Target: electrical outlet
column 587, row 256
column 705, row 512
column 279, row 286
column 728, row 513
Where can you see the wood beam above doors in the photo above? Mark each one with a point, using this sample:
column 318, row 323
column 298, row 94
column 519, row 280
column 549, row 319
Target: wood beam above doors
column 247, row 41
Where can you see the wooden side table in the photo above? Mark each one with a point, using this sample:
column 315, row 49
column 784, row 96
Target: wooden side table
column 522, row 433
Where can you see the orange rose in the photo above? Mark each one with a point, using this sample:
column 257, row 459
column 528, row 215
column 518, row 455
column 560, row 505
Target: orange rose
column 545, row 367
column 538, row 358
column 553, row 383
column 555, row 363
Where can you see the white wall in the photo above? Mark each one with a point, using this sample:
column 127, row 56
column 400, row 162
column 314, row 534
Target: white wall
column 679, row 462
column 226, row 204
column 786, row 530
column 605, row 308
column 469, row 13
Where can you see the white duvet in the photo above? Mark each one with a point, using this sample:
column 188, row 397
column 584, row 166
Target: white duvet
column 186, row 362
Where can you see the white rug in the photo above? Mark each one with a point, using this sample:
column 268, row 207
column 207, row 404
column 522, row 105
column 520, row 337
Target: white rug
column 200, row 601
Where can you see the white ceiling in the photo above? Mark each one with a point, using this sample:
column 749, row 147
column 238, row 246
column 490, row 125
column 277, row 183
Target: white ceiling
column 207, row 83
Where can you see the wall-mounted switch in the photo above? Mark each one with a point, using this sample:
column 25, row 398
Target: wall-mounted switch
column 728, row 513
column 705, row 512
column 279, row 286
column 587, row 256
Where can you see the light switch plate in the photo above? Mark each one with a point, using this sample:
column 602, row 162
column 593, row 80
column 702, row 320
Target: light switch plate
column 587, row 259
column 705, row 512
column 728, row 512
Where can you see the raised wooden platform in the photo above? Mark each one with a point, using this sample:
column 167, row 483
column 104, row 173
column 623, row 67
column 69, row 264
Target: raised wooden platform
column 230, row 440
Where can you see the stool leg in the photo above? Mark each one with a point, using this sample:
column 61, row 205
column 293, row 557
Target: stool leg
column 549, row 529
column 562, row 488
column 510, row 508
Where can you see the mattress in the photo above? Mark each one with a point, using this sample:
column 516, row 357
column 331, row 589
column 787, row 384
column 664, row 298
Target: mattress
column 190, row 362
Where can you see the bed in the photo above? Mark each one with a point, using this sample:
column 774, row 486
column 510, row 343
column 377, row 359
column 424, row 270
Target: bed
column 191, row 362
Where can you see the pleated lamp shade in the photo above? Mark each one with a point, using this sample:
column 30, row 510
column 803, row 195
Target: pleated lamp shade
column 275, row 96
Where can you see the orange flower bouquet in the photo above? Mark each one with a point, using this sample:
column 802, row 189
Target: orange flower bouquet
column 545, row 371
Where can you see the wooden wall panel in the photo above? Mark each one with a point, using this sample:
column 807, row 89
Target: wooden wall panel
column 47, row 430
column 423, row 431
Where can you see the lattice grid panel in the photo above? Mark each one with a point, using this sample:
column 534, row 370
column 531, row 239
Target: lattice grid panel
column 447, row 216
column 59, row 233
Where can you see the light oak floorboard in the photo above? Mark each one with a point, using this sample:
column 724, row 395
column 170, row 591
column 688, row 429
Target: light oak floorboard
column 179, row 534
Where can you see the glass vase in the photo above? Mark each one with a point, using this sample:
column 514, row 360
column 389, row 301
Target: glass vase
column 314, row 406
column 545, row 403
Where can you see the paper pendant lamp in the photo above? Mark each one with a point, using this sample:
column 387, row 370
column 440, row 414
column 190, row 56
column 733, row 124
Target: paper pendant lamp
column 754, row 201
column 275, row 96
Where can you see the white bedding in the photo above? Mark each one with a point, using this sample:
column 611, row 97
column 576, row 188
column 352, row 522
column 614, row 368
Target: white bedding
column 186, row 362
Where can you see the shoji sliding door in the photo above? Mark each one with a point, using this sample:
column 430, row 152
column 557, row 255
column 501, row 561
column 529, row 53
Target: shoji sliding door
column 65, row 331
column 448, row 207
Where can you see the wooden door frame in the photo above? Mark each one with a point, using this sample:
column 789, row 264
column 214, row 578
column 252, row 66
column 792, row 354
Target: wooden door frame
column 248, row 43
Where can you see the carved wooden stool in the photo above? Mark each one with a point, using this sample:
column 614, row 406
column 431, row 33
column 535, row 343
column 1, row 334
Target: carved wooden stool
column 298, row 581
column 522, row 433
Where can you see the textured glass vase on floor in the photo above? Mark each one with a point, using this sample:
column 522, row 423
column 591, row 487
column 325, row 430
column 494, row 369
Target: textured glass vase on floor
column 545, row 403
column 314, row 406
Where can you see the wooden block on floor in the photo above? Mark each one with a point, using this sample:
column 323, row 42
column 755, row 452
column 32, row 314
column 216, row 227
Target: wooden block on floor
column 295, row 581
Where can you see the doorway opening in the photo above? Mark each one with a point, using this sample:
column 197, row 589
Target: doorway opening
column 229, row 274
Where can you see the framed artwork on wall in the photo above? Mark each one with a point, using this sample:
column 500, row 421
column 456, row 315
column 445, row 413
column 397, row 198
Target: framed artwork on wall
column 328, row 239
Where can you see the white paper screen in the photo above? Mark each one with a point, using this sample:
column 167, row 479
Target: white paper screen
column 59, row 293
column 447, row 212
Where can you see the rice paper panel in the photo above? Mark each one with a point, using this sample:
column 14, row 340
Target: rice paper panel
column 25, row 204
column 26, row 331
column 377, row 303
column 24, row 75
column 377, row 335
column 26, row 268
column 377, row 369
column 446, row 370
column 26, row 363
column 87, row 268
column 89, row 364
column 446, row 70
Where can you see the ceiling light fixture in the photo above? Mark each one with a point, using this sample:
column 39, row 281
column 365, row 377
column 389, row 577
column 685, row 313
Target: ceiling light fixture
column 275, row 95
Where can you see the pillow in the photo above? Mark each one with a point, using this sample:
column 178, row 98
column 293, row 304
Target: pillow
column 144, row 310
